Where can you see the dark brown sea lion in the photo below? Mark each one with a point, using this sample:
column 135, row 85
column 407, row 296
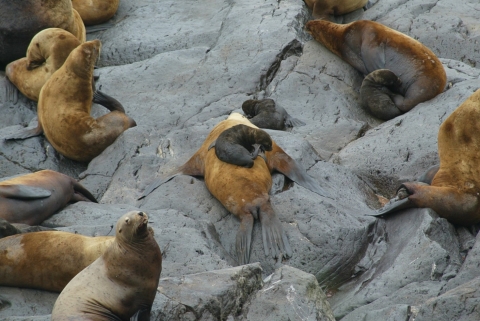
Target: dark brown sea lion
column 47, row 260
column 64, row 109
column 119, row 285
column 21, row 20
column 455, row 188
column 241, row 144
column 400, row 71
column 32, row 198
column 244, row 191
column 95, row 11
column 46, row 53
column 265, row 113
column 324, row 9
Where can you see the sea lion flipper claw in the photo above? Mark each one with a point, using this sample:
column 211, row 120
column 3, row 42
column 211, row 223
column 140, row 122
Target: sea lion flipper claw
column 107, row 101
column 24, row 192
column 244, row 239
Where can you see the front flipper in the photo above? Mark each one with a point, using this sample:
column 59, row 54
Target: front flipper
column 428, row 176
column 244, row 239
column 378, row 93
column 106, row 101
column 82, row 194
column 400, row 202
column 25, row 133
column 7, row 229
column 23, row 192
column 280, row 161
column 293, row 122
column 275, row 240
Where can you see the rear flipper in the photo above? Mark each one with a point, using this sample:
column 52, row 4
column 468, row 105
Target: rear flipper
column 400, row 202
column 244, row 239
column 428, row 176
column 274, row 238
column 106, row 101
column 25, row 133
column 378, row 93
column 7, row 229
column 293, row 122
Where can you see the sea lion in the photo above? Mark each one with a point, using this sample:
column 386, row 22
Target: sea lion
column 119, row 285
column 244, row 191
column 32, row 198
column 47, row 260
column 21, row 20
column 46, row 53
column 234, row 145
column 324, row 9
column 64, row 109
column 95, row 11
column 265, row 113
column 454, row 191
column 400, row 71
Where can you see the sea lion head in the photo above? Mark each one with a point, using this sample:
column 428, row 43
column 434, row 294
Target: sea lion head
column 327, row 33
column 83, row 58
column 263, row 138
column 132, row 225
column 253, row 107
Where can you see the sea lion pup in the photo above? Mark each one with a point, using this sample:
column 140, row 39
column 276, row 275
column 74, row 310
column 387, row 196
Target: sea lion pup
column 454, row 192
column 21, row 20
column 235, row 145
column 32, row 198
column 119, row 285
column 400, row 71
column 265, row 113
column 325, row 9
column 64, row 109
column 95, row 11
column 47, row 260
column 244, row 191
column 46, row 53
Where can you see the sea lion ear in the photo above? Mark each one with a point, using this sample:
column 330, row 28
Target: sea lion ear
column 127, row 220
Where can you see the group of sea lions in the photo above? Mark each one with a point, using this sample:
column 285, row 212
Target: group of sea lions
column 116, row 277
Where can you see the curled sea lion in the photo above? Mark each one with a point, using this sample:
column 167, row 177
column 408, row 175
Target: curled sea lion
column 46, row 53
column 21, row 20
column 64, row 109
column 119, row 285
column 95, row 11
column 244, row 191
column 455, row 188
column 400, row 71
column 324, row 9
column 32, row 198
column 265, row 113
column 235, row 145
column 47, row 260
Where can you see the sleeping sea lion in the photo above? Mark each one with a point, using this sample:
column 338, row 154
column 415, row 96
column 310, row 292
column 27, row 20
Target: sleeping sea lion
column 47, row 260
column 265, row 113
column 64, row 109
column 119, row 285
column 95, row 11
column 244, row 191
column 455, row 188
column 20, row 21
column 32, row 198
column 324, row 9
column 400, row 71
column 235, row 145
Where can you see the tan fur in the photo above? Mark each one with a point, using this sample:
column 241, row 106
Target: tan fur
column 325, row 8
column 64, row 108
column 46, row 53
column 95, row 11
column 47, row 260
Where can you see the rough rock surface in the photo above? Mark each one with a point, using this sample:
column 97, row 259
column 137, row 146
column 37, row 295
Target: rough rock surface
column 181, row 67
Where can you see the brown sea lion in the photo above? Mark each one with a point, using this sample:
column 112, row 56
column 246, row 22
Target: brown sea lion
column 64, row 109
column 400, row 71
column 47, row 260
column 241, row 144
column 95, row 11
column 264, row 113
column 46, row 53
column 455, row 188
column 119, row 285
column 20, row 21
column 244, row 191
column 324, row 9
column 32, row 198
